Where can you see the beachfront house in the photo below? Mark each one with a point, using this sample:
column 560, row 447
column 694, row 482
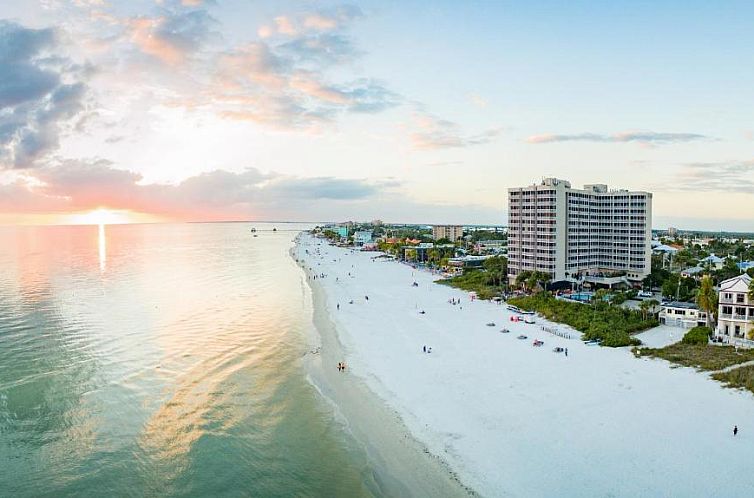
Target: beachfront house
column 736, row 311
column 362, row 237
column 680, row 314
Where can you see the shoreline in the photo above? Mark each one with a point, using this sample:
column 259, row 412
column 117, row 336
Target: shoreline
column 401, row 465
column 515, row 419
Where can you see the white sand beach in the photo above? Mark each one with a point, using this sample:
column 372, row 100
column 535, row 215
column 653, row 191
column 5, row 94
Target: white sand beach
column 517, row 420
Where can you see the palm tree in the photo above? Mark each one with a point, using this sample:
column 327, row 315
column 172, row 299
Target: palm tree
column 706, row 298
column 652, row 304
column 644, row 308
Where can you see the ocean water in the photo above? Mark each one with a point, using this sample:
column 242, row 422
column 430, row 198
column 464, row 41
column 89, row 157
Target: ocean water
column 162, row 360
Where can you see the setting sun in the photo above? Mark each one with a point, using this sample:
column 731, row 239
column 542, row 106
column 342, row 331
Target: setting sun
column 101, row 216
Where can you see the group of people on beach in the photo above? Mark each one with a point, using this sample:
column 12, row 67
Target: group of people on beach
column 341, row 366
column 427, row 349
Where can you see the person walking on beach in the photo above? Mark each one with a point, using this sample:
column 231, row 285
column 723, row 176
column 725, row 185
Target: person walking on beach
column 566, row 352
column 735, row 430
column 424, row 349
column 338, row 306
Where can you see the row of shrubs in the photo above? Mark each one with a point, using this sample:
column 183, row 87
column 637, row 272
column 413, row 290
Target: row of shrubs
column 611, row 325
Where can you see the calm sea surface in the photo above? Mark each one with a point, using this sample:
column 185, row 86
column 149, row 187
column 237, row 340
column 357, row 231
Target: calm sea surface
column 142, row 360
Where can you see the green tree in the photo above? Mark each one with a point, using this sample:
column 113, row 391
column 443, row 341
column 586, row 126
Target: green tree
column 522, row 278
column 751, row 289
column 497, row 268
column 706, row 298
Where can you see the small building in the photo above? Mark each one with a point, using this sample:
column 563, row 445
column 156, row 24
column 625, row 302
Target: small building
column 468, row 261
column 745, row 265
column 712, row 261
column 451, row 232
column 495, row 246
column 362, row 237
column 680, row 314
column 736, row 312
column 666, row 249
column 694, row 272
column 342, row 231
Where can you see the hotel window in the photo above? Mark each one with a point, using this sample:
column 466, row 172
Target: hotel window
column 738, row 330
column 739, row 298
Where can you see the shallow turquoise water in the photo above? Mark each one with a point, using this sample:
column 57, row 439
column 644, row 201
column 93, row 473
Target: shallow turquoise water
column 165, row 360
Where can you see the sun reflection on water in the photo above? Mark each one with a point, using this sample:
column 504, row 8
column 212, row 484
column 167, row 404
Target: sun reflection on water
column 102, row 242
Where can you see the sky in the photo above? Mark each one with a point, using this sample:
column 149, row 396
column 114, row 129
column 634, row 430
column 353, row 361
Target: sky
column 405, row 111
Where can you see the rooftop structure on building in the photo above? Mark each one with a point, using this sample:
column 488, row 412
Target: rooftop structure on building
column 573, row 234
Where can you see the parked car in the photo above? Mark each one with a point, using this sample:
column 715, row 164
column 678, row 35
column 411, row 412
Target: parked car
column 644, row 294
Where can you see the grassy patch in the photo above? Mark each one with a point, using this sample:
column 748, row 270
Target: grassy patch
column 740, row 377
column 705, row 357
column 612, row 325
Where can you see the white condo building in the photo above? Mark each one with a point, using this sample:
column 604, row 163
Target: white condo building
column 735, row 318
column 596, row 234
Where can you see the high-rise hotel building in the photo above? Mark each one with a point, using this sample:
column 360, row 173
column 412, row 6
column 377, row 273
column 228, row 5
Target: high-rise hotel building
column 571, row 234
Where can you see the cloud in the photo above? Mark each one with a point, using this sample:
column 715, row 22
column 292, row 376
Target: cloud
column 83, row 185
column 325, row 48
column 321, row 21
column 259, row 83
column 645, row 137
column 39, row 93
column 724, row 176
column 478, row 101
column 74, row 186
column 173, row 36
column 431, row 132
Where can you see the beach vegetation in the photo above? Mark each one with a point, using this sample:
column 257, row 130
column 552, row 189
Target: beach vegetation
column 610, row 324
column 487, row 282
column 710, row 357
column 742, row 377
column 697, row 335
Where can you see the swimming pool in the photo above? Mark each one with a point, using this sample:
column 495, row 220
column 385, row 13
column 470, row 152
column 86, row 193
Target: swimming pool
column 583, row 296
